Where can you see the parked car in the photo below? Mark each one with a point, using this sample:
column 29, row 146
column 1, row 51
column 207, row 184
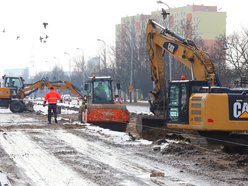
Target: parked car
column 66, row 98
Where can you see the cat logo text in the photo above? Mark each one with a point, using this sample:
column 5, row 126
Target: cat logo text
column 240, row 110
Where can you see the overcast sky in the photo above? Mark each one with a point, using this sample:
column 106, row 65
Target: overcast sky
column 78, row 24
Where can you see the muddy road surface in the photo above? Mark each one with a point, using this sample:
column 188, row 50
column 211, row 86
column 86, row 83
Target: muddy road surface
column 69, row 153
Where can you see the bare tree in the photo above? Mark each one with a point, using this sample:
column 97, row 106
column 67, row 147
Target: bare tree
column 79, row 71
column 123, row 59
column 39, row 76
column 187, row 30
column 57, row 74
column 217, row 54
column 237, row 52
column 216, row 51
column 142, row 73
column 111, row 68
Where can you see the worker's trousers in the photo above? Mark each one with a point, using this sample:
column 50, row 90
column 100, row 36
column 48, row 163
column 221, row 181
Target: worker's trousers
column 52, row 110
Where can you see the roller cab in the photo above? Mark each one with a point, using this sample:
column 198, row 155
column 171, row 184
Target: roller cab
column 101, row 108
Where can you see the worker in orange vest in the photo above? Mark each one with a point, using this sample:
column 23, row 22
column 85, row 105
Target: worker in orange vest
column 52, row 97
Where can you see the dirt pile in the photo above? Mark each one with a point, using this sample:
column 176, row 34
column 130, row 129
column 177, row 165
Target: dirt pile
column 214, row 159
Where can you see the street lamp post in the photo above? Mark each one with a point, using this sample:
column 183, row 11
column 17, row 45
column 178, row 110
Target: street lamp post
column 81, row 54
column 161, row 2
column 170, row 57
column 69, row 64
column 105, row 57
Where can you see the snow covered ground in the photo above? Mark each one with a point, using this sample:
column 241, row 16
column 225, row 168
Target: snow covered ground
column 71, row 153
column 135, row 108
column 28, row 156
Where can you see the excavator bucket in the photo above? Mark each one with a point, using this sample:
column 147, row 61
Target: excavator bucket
column 111, row 116
column 29, row 106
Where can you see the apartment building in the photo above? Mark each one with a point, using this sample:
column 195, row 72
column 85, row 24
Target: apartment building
column 191, row 21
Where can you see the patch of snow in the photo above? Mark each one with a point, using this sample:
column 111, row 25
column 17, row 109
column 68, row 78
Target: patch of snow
column 5, row 111
column 4, row 180
column 105, row 155
column 42, row 167
column 9, row 118
column 116, row 137
column 131, row 108
column 139, row 109
column 44, row 110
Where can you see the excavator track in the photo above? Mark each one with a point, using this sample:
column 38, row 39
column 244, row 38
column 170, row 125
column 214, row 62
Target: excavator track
column 152, row 128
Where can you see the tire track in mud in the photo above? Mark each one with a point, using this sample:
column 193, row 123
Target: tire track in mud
column 8, row 167
column 84, row 155
column 84, row 162
column 39, row 165
column 111, row 156
column 127, row 158
column 100, row 161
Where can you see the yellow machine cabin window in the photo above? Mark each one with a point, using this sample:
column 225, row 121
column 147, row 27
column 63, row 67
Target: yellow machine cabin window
column 178, row 103
column 102, row 92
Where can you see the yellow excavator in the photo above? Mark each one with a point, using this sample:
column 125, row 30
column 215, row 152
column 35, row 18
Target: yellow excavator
column 200, row 104
column 13, row 91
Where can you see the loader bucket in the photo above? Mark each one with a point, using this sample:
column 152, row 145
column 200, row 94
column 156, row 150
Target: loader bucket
column 111, row 116
column 29, row 106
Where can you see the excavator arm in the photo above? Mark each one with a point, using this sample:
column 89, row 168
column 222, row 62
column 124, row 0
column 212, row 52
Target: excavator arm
column 63, row 85
column 160, row 40
column 22, row 93
column 185, row 51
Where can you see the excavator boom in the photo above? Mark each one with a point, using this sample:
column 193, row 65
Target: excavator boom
column 160, row 40
column 27, row 90
column 185, row 51
column 65, row 85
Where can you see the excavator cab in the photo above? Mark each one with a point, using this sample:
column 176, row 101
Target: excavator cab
column 178, row 99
